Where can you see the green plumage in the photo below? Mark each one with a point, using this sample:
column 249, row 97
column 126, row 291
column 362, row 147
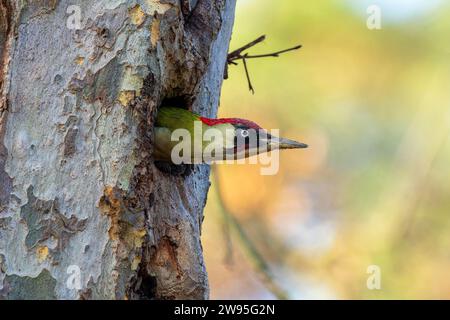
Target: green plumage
column 168, row 120
column 176, row 118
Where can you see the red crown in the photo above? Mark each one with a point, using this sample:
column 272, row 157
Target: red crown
column 234, row 121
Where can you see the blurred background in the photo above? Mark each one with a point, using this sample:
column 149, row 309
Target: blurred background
column 374, row 186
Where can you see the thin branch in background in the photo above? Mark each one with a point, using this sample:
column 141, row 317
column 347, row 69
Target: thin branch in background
column 250, row 87
column 424, row 181
column 274, row 54
column 226, row 231
column 255, row 256
column 238, row 55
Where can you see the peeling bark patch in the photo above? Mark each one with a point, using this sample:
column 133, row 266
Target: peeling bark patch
column 41, row 253
column 44, row 220
column 157, row 6
column 125, row 225
column 37, row 8
column 111, row 206
column 102, row 85
column 107, row 28
column 135, row 264
column 127, row 233
column 79, row 60
column 125, row 97
column 41, row 287
column 69, row 142
column 154, row 31
column 137, row 15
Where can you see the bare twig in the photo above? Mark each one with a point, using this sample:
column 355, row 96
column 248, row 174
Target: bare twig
column 237, row 53
column 228, row 259
column 274, row 54
column 240, row 55
column 258, row 260
column 250, row 87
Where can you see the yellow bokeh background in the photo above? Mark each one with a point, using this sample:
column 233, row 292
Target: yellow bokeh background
column 374, row 186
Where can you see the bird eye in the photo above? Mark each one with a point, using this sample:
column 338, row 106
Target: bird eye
column 244, row 133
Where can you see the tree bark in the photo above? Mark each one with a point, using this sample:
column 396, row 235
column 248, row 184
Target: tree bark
column 84, row 213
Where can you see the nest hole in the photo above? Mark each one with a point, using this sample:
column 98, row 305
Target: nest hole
column 182, row 102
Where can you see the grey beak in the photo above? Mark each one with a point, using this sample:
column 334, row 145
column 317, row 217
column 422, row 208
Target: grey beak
column 282, row 143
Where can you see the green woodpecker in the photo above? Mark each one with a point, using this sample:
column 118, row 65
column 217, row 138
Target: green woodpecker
column 235, row 138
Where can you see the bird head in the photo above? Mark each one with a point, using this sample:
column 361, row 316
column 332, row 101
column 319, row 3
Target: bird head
column 248, row 138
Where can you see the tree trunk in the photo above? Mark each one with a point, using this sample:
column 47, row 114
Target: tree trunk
column 84, row 213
